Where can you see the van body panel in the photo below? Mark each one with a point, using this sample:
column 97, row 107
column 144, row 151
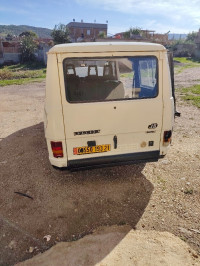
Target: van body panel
column 168, row 104
column 127, row 125
column 53, row 113
column 65, row 55
column 127, row 119
column 53, row 107
column 95, row 47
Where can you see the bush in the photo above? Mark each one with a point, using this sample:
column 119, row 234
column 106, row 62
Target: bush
column 23, row 71
column 28, row 47
column 5, row 74
column 60, row 34
column 132, row 32
column 184, row 53
column 102, row 35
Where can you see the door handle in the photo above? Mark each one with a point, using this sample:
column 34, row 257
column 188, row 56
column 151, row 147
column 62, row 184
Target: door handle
column 115, row 142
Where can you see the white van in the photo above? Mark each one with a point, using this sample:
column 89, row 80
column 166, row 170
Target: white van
column 107, row 103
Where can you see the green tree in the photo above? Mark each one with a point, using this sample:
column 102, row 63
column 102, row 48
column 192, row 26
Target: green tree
column 60, row 34
column 191, row 37
column 102, row 35
column 9, row 37
column 135, row 31
column 131, row 32
column 28, row 34
column 126, row 34
column 28, row 47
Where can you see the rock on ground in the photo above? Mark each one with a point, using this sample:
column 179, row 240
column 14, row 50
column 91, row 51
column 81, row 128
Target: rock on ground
column 119, row 245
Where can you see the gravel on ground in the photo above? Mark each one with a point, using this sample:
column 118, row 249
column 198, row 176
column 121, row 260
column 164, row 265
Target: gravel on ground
column 162, row 196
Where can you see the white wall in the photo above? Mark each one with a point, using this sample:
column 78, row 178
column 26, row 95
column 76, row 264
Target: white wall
column 14, row 57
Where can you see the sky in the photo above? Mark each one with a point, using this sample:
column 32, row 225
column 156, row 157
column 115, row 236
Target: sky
column 176, row 16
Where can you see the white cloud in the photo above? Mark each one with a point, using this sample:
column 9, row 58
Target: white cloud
column 132, row 6
column 168, row 14
column 20, row 11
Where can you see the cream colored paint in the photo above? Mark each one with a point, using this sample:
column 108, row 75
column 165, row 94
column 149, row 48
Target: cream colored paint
column 106, row 47
column 53, row 111
column 62, row 56
column 129, row 121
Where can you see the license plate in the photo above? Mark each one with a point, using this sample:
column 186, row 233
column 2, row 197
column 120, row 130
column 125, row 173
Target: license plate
column 92, row 149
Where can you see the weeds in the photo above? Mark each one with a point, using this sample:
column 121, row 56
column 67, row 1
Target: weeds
column 188, row 63
column 161, row 182
column 194, row 99
column 183, row 238
column 188, row 191
column 186, row 60
column 22, row 73
column 191, row 94
column 127, row 75
column 5, row 74
column 122, row 222
column 195, row 89
column 19, row 81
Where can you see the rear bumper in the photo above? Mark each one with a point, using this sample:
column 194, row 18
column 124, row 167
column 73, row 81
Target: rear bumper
column 58, row 162
column 131, row 158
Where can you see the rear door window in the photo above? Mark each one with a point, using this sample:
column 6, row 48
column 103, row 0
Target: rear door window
column 109, row 79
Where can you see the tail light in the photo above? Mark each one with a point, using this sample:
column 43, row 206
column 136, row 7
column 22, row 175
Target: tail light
column 167, row 136
column 57, row 149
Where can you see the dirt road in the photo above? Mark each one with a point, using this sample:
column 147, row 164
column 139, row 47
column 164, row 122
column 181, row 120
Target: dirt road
column 21, row 106
column 163, row 196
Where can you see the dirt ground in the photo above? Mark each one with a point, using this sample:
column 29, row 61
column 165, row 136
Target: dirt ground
column 117, row 246
column 162, row 196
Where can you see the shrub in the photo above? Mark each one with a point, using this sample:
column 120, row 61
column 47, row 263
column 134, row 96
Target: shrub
column 5, row 74
column 60, row 34
column 102, row 35
column 28, row 47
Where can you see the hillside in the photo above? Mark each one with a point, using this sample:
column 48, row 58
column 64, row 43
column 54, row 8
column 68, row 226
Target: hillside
column 16, row 30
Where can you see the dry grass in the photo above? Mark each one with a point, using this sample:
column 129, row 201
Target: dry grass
column 21, row 73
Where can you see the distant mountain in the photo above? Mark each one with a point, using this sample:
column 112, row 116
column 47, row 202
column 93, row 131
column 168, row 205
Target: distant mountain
column 176, row 36
column 16, row 30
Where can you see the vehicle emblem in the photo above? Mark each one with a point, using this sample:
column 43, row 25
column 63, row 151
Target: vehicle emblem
column 154, row 125
column 96, row 131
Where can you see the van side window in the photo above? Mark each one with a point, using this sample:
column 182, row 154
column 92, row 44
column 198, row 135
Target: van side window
column 106, row 79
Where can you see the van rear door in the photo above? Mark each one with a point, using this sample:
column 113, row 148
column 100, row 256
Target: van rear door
column 112, row 107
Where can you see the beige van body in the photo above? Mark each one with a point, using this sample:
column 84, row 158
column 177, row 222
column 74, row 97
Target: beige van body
column 107, row 103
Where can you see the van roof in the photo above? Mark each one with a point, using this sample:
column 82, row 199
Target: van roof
column 106, row 47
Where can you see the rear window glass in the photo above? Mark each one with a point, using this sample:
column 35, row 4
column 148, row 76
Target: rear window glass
column 108, row 79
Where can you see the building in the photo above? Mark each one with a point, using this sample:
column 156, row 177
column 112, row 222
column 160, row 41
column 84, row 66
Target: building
column 10, row 50
column 81, row 31
column 144, row 36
